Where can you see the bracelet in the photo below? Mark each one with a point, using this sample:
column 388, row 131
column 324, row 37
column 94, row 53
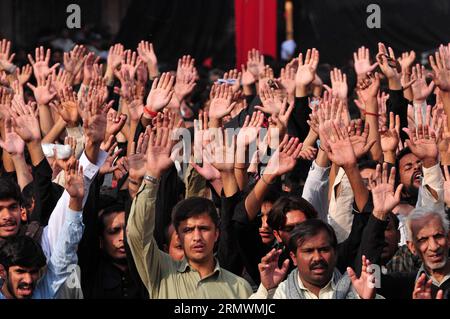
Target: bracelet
column 151, row 179
column 150, row 113
column 241, row 168
column 262, row 178
column 373, row 114
column 320, row 146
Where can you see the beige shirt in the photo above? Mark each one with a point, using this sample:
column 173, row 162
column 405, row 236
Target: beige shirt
column 164, row 277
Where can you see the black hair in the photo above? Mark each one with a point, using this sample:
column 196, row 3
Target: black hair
column 308, row 229
column 21, row 251
column 191, row 207
column 28, row 196
column 116, row 207
column 9, row 189
column 371, row 164
column 405, row 151
column 277, row 215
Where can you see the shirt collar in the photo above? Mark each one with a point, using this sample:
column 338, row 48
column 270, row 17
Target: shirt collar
column 422, row 270
column 184, row 266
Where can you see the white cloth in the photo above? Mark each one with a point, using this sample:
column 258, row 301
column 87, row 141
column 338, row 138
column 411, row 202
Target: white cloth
column 315, row 190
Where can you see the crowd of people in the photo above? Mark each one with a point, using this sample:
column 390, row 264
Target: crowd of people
column 118, row 181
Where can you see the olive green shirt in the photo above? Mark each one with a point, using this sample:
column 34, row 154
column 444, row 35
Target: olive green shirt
column 164, row 277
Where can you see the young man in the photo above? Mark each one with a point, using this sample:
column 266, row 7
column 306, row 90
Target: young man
column 199, row 274
column 22, row 258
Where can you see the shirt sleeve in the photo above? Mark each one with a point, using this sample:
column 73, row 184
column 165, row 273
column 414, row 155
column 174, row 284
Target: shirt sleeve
column 432, row 178
column 315, row 190
column 52, row 231
column 63, row 261
column 263, row 293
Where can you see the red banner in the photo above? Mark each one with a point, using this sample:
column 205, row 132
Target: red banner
column 256, row 27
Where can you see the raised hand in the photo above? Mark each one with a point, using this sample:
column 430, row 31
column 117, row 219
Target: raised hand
column 137, row 159
column 94, row 114
column 358, row 138
column 6, row 57
column 73, row 60
column 287, row 78
column 65, row 163
column 68, row 108
column 306, row 70
column 250, row 130
column 75, row 182
column 115, row 121
column 255, row 63
column 186, row 66
column 271, row 274
column 390, row 136
column 339, row 86
column 247, row 76
column 184, row 86
column 221, row 151
column 368, row 87
column 115, row 57
column 407, row 60
column 382, row 187
column 420, row 89
column 271, row 103
column 339, row 147
column 129, row 64
column 44, row 91
column 387, row 62
column 41, row 64
column 26, row 121
column 236, row 76
column 423, row 141
column 110, row 164
column 61, row 80
column 147, row 54
column 365, row 284
column 285, row 157
column 422, row 289
column 24, row 74
column 89, row 70
column 159, row 152
column 221, row 101
column 13, row 143
column 161, row 93
column 441, row 69
column 362, row 64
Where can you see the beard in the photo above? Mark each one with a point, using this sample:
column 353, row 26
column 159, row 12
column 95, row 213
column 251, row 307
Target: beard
column 411, row 192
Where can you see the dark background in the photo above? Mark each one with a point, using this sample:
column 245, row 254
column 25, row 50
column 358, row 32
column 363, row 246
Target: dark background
column 205, row 28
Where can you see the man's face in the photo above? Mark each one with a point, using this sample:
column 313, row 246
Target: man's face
column 410, row 171
column 265, row 231
column 198, row 235
column 366, row 174
column 430, row 242
column 392, row 238
column 20, row 281
column 112, row 239
column 315, row 259
column 293, row 218
column 175, row 250
column 9, row 217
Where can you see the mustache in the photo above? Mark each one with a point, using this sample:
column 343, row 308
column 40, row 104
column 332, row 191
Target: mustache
column 318, row 264
column 23, row 285
column 8, row 222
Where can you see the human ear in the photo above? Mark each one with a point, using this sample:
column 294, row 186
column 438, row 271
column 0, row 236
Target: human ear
column 294, row 259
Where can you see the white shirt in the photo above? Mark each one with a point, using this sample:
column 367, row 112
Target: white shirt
column 315, row 190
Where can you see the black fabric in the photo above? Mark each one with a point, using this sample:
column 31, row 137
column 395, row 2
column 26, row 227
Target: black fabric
column 337, row 28
column 200, row 28
column 46, row 192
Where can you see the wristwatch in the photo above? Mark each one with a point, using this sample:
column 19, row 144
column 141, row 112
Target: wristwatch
column 150, row 179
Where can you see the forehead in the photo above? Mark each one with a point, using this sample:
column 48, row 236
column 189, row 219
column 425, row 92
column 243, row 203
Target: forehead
column 427, row 226
column 198, row 220
column 408, row 159
column 266, row 207
column 319, row 240
column 7, row 202
column 115, row 218
column 295, row 217
column 20, row 268
column 367, row 172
